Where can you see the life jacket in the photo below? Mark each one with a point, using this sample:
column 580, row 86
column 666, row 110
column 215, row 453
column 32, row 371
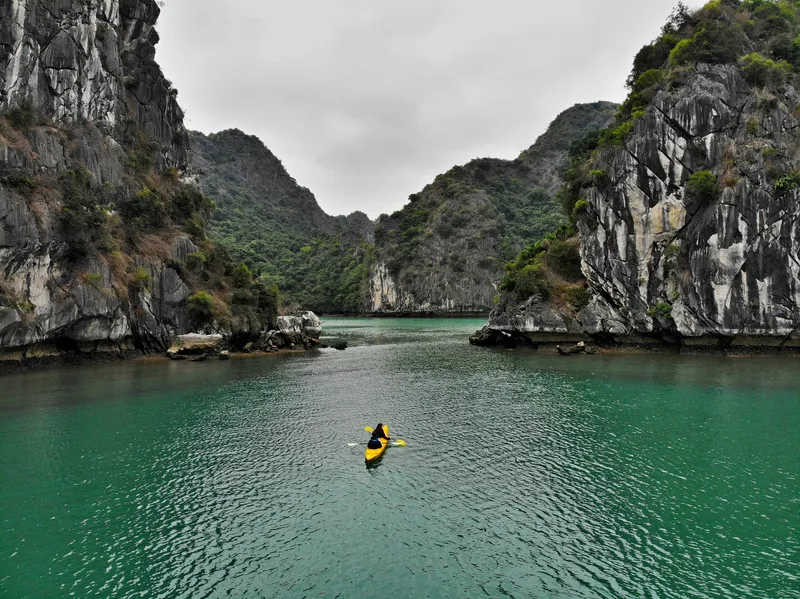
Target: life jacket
column 374, row 443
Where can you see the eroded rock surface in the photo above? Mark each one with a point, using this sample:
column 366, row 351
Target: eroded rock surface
column 668, row 267
column 88, row 123
column 93, row 61
column 194, row 344
column 293, row 332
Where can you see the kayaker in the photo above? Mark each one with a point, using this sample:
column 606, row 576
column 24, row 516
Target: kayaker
column 377, row 435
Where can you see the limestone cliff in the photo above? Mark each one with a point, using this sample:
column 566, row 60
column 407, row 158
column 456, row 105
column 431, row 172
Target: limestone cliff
column 102, row 248
column 727, row 265
column 91, row 61
column 444, row 251
column 690, row 231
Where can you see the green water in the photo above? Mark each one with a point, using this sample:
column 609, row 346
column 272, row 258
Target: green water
column 525, row 475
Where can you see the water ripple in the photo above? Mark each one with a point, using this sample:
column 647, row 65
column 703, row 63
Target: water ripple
column 524, row 476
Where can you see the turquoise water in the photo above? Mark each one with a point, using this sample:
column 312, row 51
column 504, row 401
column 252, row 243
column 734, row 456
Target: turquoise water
column 525, row 475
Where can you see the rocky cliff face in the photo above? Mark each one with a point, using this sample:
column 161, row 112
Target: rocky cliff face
column 96, row 231
column 669, row 263
column 727, row 265
column 91, row 61
column 444, row 251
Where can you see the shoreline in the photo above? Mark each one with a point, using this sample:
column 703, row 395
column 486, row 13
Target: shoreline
column 408, row 314
column 51, row 362
column 17, row 362
column 743, row 346
column 638, row 350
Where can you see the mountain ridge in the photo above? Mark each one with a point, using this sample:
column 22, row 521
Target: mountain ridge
column 445, row 250
column 352, row 265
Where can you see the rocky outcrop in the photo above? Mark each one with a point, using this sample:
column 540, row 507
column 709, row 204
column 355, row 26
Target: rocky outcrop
column 658, row 258
column 97, row 233
column 669, row 265
column 300, row 331
column 91, row 61
column 305, row 323
column 194, row 344
column 440, row 296
column 382, row 290
column 293, row 332
column 49, row 307
column 444, row 252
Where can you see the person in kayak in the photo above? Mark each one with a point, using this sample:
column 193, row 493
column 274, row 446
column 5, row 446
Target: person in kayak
column 377, row 435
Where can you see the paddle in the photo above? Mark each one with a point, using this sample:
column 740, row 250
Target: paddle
column 393, row 443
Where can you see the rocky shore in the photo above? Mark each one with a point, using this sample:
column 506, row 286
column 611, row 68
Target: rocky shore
column 297, row 332
column 584, row 344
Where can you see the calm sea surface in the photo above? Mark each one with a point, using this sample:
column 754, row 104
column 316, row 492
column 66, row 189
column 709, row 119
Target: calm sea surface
column 525, row 475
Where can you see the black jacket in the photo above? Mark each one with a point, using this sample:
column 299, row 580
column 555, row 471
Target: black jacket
column 379, row 434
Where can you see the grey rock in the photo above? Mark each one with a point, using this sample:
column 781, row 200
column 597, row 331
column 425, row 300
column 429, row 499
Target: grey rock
column 194, row 344
column 66, row 62
column 301, row 330
column 663, row 265
column 70, row 60
column 17, row 223
column 305, row 323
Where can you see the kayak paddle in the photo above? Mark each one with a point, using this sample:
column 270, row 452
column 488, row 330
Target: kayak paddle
column 393, row 443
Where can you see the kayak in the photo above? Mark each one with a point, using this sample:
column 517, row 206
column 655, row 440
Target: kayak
column 373, row 455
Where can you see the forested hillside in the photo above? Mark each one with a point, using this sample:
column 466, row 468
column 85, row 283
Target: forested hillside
column 452, row 238
column 447, row 247
column 275, row 226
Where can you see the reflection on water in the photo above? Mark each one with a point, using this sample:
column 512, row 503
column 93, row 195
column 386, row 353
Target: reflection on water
column 525, row 475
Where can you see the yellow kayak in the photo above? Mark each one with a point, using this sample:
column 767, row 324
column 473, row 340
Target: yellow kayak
column 373, row 455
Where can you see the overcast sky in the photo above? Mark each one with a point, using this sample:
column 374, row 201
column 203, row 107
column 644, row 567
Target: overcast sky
column 366, row 101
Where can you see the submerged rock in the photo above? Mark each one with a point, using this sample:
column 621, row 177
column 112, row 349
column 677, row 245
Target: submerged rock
column 578, row 348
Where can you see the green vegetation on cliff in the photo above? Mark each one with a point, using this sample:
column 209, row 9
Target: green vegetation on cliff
column 762, row 35
column 333, row 273
column 462, row 228
column 275, row 226
column 549, row 269
column 127, row 227
column 710, row 123
column 263, row 216
column 456, row 233
column 486, row 200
